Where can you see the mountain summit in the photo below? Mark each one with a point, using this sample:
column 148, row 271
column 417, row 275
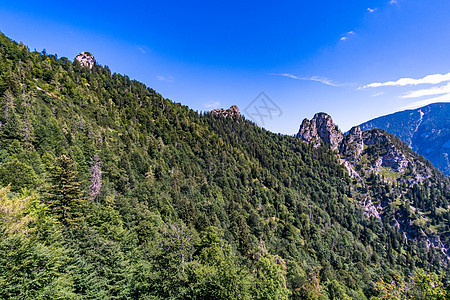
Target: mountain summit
column 320, row 129
column 232, row 112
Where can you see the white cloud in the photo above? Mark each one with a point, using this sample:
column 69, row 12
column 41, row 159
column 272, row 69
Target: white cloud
column 417, row 104
column 430, row 79
column 371, row 10
column 285, row 75
column 445, row 89
column 347, row 35
column 323, row 80
column 211, row 104
column 377, row 94
column 166, row 78
column 393, row 2
column 142, row 49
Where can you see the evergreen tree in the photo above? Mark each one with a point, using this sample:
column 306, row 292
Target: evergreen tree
column 64, row 196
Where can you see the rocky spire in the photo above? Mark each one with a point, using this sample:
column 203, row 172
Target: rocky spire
column 320, row 129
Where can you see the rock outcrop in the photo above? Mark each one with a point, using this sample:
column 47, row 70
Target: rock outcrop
column 363, row 152
column 86, row 59
column 352, row 145
column 232, row 112
column 369, row 152
column 320, row 129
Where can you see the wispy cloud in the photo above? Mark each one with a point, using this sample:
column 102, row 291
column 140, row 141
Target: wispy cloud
column 323, row 80
column 377, row 94
column 431, row 79
column 371, row 10
column 445, row 89
column 393, row 2
column 142, row 49
column 211, row 104
column 320, row 79
column 417, row 104
column 347, row 35
column 166, row 78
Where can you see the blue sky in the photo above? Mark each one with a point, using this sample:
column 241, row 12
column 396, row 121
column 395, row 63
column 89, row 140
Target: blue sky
column 355, row 60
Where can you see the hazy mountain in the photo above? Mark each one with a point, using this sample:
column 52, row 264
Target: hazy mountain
column 426, row 130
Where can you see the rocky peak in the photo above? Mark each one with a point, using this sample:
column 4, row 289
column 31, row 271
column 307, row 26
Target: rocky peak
column 86, row 59
column 363, row 152
column 233, row 111
column 320, row 129
column 355, row 131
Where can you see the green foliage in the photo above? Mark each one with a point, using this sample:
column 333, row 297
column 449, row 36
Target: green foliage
column 18, row 174
column 184, row 205
column 271, row 278
column 419, row 286
column 63, row 196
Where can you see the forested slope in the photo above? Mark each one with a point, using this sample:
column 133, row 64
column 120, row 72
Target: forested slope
column 111, row 191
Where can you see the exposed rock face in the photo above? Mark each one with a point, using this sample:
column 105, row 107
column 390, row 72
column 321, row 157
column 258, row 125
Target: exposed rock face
column 232, row 112
column 389, row 156
column 363, row 152
column 86, row 59
column 320, row 129
column 353, row 145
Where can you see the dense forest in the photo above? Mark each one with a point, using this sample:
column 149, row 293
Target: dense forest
column 110, row 191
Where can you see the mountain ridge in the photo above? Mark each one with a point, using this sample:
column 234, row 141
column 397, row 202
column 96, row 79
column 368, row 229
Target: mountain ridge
column 425, row 130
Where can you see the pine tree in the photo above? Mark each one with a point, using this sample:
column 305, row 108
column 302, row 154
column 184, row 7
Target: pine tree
column 64, row 196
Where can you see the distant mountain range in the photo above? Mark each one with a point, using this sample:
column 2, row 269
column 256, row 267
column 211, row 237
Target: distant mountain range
column 426, row 130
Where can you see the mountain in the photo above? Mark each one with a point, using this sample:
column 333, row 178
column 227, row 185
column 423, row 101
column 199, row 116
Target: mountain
column 376, row 152
column 111, row 191
column 369, row 151
column 426, row 130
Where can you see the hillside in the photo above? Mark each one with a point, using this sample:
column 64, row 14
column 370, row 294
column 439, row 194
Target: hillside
column 376, row 153
column 426, row 130
column 111, row 191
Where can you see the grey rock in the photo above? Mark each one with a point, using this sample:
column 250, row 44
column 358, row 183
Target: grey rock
column 86, row 59
column 232, row 112
column 320, row 129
